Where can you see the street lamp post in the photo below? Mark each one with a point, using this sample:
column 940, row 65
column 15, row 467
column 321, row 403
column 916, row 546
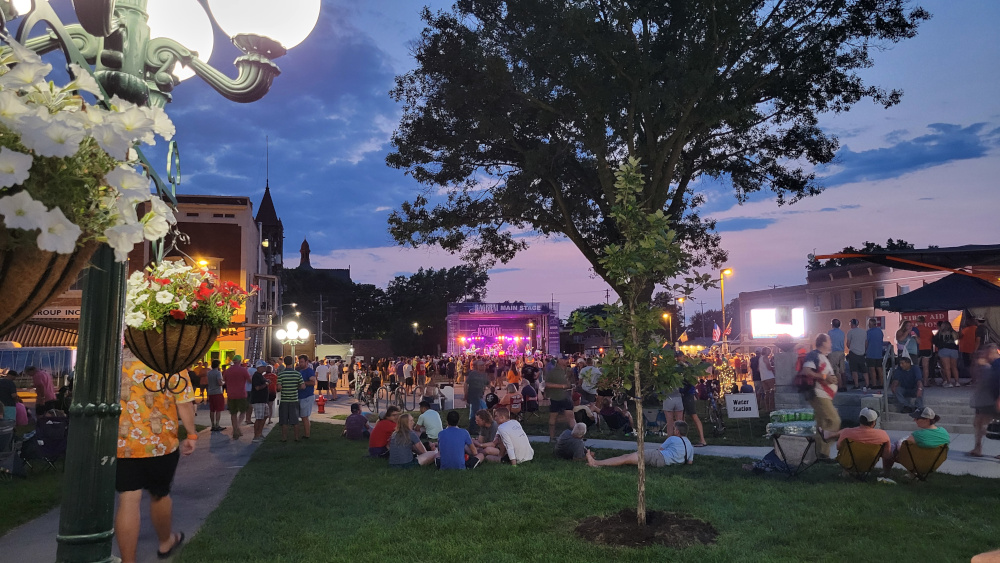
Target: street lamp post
column 670, row 322
column 138, row 51
column 722, row 279
column 292, row 334
column 682, row 300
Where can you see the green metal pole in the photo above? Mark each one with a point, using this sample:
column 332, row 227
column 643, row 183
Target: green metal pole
column 86, row 521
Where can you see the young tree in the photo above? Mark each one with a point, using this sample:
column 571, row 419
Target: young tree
column 524, row 109
column 648, row 254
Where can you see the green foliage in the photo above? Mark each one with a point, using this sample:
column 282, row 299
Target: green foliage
column 868, row 248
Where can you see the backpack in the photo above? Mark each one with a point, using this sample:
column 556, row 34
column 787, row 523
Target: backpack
column 802, row 382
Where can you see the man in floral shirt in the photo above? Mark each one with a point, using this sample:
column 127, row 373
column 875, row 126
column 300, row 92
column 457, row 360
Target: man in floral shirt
column 148, row 451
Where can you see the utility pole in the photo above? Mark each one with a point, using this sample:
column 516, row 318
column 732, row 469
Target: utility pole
column 319, row 324
column 702, row 303
column 607, row 296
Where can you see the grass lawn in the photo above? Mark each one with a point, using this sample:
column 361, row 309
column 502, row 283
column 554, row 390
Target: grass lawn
column 323, row 501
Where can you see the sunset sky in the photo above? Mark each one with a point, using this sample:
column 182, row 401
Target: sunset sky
column 925, row 171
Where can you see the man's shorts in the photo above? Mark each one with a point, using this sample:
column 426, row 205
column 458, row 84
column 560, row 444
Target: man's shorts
column 925, row 353
column 689, row 405
column 654, row 458
column 154, row 474
column 673, row 403
column 260, row 411
column 948, row 353
column 560, row 405
column 216, row 403
column 323, row 385
column 237, row 406
column 306, row 406
column 288, row 413
column 856, row 362
column 837, row 362
column 873, row 362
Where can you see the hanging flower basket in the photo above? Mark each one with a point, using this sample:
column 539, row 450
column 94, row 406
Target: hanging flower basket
column 31, row 278
column 171, row 349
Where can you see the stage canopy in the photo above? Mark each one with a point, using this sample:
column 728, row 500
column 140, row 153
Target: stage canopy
column 951, row 293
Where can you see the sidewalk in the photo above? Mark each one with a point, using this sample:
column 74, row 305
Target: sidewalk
column 201, row 482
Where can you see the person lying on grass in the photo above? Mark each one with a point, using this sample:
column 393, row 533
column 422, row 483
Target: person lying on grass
column 570, row 445
column 677, row 449
column 405, row 448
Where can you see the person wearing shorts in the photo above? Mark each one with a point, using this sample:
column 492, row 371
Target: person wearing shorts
column 675, row 450
column 557, row 390
column 307, row 393
column 673, row 408
column 258, row 400
column 216, row 400
column 289, row 383
column 688, row 399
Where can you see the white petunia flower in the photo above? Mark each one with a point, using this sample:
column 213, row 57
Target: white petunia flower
column 182, row 305
column 126, row 211
column 51, row 139
column 161, row 122
column 163, row 210
column 14, row 167
column 134, row 122
column 120, row 104
column 123, row 238
column 12, row 109
column 129, row 183
column 21, row 212
column 134, row 319
column 164, row 297
column 24, row 74
column 58, row 234
column 155, row 227
column 22, row 53
column 111, row 138
column 83, row 81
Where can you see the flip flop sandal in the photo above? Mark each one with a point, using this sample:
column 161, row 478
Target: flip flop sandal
column 973, row 454
column 165, row 554
column 700, row 445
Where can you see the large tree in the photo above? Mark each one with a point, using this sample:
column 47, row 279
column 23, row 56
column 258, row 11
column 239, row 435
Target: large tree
column 524, row 109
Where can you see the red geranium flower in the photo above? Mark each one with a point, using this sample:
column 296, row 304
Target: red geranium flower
column 178, row 314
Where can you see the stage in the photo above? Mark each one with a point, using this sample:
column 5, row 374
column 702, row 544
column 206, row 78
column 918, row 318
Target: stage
column 503, row 329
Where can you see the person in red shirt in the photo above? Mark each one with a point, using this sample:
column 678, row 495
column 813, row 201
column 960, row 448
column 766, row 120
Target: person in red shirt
column 272, row 390
column 925, row 347
column 378, row 442
column 236, row 378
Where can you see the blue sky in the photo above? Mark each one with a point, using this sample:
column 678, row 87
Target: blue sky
column 924, row 171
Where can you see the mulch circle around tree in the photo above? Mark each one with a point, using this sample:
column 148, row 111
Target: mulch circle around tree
column 662, row 528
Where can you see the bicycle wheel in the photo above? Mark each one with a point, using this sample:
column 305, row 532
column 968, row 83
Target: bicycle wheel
column 399, row 398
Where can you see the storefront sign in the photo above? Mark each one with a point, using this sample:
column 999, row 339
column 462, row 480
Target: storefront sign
column 742, row 405
column 58, row 313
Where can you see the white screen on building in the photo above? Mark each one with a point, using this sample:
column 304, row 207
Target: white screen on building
column 763, row 323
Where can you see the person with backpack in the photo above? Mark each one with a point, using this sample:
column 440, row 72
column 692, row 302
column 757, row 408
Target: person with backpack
column 820, row 384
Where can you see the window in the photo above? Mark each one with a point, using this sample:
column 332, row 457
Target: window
column 818, row 301
column 857, row 299
column 880, row 291
column 836, row 301
column 192, row 214
column 217, row 215
column 904, row 289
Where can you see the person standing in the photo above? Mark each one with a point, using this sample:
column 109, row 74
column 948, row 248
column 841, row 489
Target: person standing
column 237, row 378
column 289, row 384
column 817, row 366
column 45, row 392
column 474, row 388
column 837, row 357
column 986, row 394
column 970, row 340
column 946, row 342
column 148, row 452
column 272, row 390
column 855, row 344
column 258, row 400
column 557, row 390
column 765, row 363
column 925, row 347
column 307, row 393
column 323, row 378
column 873, row 353
column 216, row 401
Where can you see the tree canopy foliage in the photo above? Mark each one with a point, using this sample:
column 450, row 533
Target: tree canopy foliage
column 867, row 248
column 524, row 109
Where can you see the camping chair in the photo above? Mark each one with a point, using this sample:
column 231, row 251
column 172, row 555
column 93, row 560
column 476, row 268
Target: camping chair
column 921, row 462
column 51, row 436
column 859, row 459
column 9, row 458
column 654, row 420
column 798, row 453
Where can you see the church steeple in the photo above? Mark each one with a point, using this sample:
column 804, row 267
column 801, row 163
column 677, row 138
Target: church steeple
column 304, row 260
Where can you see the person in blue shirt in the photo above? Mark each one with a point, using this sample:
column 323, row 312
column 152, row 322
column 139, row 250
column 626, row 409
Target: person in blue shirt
column 873, row 353
column 453, row 445
column 307, row 393
column 836, row 357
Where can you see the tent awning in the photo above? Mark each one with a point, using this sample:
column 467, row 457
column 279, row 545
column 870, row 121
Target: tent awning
column 950, row 293
column 930, row 259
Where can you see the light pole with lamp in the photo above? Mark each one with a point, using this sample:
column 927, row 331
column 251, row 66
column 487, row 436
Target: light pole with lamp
column 682, row 300
column 722, row 280
column 292, row 335
column 670, row 321
column 139, row 51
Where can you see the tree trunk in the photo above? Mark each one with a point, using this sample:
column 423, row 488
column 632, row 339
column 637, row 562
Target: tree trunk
column 640, row 507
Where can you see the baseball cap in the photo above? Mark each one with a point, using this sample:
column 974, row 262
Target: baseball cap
column 237, row 358
column 565, row 356
column 925, row 412
column 868, row 414
column 260, row 363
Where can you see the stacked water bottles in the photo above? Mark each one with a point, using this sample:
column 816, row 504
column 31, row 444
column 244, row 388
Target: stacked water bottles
column 792, row 422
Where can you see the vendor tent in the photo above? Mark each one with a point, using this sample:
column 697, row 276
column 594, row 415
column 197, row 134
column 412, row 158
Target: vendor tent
column 956, row 292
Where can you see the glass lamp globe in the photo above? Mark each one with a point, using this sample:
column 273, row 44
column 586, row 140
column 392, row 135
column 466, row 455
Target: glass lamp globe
column 186, row 22
column 303, row 334
column 281, row 334
column 289, row 25
column 22, row 7
column 292, row 327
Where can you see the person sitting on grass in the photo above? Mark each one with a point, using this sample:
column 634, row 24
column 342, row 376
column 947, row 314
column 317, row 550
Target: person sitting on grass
column 570, row 444
column 866, row 433
column 675, row 450
column 405, row 448
column 615, row 417
column 428, row 424
column 378, row 442
column 488, row 440
column 356, row 426
column 455, row 447
column 513, row 447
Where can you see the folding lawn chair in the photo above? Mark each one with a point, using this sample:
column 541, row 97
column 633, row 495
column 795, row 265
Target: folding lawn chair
column 9, row 450
column 654, row 420
column 798, row 453
column 51, row 437
column 859, row 459
column 921, row 462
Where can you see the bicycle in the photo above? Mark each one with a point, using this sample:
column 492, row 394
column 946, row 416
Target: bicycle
column 361, row 393
column 715, row 414
column 391, row 395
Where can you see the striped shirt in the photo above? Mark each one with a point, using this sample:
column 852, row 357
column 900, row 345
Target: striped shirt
column 289, row 380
